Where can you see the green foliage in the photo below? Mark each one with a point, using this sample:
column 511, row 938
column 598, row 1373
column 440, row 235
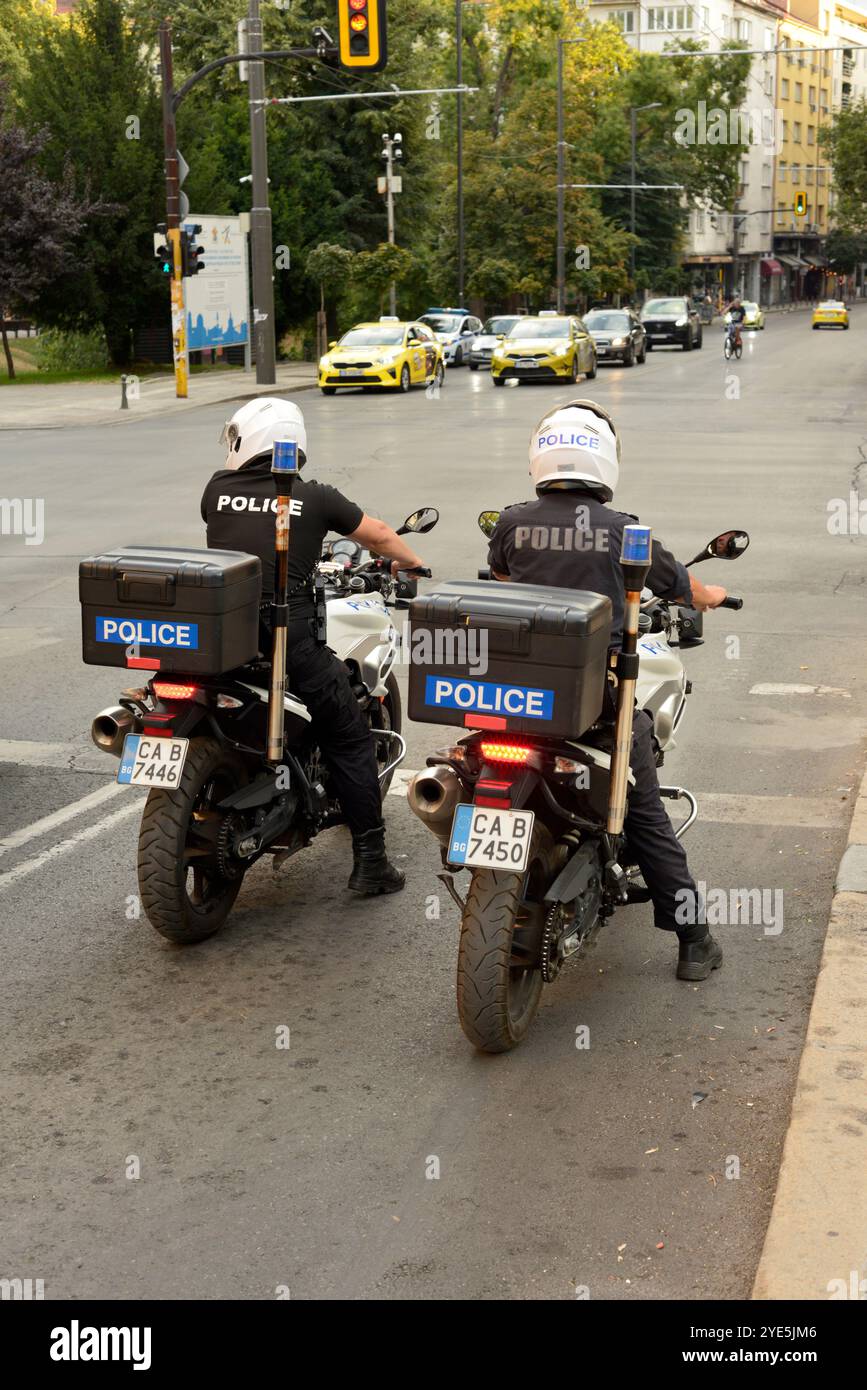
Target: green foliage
column 846, row 141
column 59, row 351
column 494, row 279
column 88, row 87
column 372, row 274
column 846, row 249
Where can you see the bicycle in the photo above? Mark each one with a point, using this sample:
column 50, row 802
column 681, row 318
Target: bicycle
column 733, row 346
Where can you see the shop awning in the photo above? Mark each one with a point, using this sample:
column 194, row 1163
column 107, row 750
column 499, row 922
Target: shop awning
column 707, row 260
column 794, row 261
column 770, row 266
column 815, row 260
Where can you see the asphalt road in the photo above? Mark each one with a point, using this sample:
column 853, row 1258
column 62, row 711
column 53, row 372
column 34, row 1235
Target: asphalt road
column 264, row 1169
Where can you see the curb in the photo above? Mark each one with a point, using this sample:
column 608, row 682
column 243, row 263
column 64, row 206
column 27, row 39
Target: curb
column 816, row 1242
column 172, row 406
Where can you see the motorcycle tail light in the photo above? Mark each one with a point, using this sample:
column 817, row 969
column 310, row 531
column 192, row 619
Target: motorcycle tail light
column 165, row 690
column 505, row 752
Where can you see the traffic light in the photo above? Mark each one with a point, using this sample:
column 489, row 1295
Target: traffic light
column 190, row 252
column 800, row 204
column 361, row 35
column 162, row 249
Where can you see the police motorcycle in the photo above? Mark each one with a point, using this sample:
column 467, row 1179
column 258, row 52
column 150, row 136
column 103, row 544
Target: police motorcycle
column 224, row 749
column 532, row 800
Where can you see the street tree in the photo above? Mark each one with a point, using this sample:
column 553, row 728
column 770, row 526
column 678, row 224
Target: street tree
column 88, row 87
column 331, row 267
column 40, row 220
column 845, row 139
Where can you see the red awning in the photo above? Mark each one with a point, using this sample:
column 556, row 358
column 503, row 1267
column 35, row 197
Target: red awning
column 771, row 267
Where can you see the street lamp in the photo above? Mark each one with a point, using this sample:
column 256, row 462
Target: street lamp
column 633, row 112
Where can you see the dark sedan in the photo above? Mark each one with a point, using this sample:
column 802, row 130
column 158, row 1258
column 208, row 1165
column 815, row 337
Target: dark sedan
column 671, row 323
column 619, row 336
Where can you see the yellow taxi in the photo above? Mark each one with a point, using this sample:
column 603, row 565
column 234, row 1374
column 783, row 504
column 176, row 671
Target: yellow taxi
column 390, row 353
column 753, row 316
column 545, row 347
column 831, row 313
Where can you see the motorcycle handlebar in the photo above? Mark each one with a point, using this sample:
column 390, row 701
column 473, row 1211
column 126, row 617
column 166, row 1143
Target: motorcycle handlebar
column 730, row 602
column 420, row 571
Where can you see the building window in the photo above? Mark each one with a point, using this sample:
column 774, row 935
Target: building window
column 785, row 125
column 742, row 29
column 770, row 38
column 799, row 91
column 674, row 17
column 766, row 173
column 796, row 173
column 811, row 135
column 782, row 171
column 821, row 212
column 699, row 221
column 624, row 19
column 796, row 132
column 781, row 217
column 769, row 83
column 784, row 88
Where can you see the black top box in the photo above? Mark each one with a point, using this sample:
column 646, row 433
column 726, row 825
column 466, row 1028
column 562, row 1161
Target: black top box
column 524, row 658
column 170, row 609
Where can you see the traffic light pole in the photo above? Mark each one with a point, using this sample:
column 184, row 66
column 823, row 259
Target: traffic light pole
column 180, row 355
column 263, row 288
column 262, row 326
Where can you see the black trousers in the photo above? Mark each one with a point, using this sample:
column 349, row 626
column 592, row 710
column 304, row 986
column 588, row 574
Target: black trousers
column 651, row 840
column 318, row 678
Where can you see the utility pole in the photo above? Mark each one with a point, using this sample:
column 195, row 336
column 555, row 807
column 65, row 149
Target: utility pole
column 262, row 326
column 391, row 151
column 459, row 41
column 633, row 112
column 561, row 191
column 173, row 215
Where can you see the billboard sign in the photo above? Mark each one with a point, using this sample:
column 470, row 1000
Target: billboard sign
column 218, row 297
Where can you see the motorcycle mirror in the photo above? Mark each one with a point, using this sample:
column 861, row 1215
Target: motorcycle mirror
column 726, row 546
column 487, row 522
column 425, row 519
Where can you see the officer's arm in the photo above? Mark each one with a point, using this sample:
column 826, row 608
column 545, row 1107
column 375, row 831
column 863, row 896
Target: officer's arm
column 376, row 535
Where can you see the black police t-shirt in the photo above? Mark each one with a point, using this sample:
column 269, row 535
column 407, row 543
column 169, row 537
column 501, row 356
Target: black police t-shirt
column 239, row 508
column 572, row 540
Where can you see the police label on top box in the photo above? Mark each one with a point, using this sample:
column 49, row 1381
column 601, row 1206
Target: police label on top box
column 139, row 632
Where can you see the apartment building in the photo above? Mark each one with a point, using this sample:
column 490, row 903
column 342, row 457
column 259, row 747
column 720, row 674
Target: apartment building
column 726, row 248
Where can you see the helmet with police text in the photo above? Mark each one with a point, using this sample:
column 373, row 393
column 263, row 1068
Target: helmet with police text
column 576, row 443
column 254, row 429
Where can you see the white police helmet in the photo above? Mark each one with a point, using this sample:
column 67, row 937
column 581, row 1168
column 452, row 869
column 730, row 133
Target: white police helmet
column 576, row 443
column 253, row 430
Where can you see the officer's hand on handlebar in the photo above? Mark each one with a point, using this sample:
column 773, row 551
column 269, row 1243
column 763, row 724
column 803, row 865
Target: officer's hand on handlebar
column 712, row 596
column 400, row 567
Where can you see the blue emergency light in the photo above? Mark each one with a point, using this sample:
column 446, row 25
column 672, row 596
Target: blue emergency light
column 284, row 458
column 636, row 549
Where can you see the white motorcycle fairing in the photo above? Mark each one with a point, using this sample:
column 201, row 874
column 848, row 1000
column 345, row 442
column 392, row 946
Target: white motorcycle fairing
column 661, row 686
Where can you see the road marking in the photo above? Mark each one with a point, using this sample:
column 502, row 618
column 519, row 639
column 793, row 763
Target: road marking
column 75, row 808
column 720, row 808
column 770, row 688
column 64, row 846
column 73, row 757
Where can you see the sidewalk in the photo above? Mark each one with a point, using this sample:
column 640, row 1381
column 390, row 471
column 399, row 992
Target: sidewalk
column 34, row 406
column 816, row 1242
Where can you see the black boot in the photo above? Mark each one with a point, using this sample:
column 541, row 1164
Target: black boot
column 696, row 959
column 371, row 871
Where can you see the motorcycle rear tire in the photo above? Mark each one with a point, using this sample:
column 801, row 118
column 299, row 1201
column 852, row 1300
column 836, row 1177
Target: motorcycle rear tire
column 163, row 873
column 497, row 1001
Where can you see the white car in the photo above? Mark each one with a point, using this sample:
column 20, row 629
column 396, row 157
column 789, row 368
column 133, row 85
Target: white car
column 455, row 329
column 486, row 340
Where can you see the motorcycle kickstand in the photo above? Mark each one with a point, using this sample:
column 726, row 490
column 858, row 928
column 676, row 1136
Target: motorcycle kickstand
column 448, row 881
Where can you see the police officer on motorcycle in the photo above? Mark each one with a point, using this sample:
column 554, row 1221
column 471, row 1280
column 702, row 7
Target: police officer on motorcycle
column 238, row 509
column 570, row 537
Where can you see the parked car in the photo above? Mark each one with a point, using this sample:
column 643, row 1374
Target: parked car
column 546, row 347
column 486, row 340
column 671, row 322
column 455, row 329
column 831, row 313
column 619, row 335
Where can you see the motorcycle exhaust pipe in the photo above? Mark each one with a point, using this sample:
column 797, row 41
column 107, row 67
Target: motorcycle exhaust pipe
column 433, row 796
column 110, row 728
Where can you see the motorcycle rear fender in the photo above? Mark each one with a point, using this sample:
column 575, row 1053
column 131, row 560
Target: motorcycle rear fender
column 522, row 782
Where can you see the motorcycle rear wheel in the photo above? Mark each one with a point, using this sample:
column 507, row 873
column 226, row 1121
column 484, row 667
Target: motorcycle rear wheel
column 184, row 894
column 497, row 1000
